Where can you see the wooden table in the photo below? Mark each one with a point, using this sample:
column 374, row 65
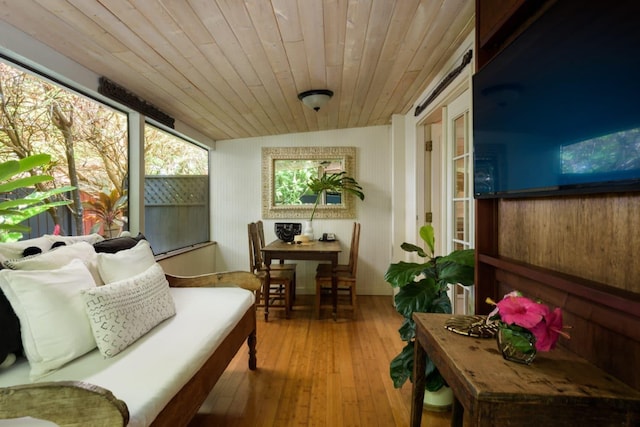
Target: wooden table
column 558, row 388
column 311, row 251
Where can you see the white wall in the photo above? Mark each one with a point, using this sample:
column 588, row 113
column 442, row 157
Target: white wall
column 236, row 195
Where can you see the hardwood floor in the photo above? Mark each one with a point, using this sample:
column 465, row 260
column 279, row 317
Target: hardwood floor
column 317, row 373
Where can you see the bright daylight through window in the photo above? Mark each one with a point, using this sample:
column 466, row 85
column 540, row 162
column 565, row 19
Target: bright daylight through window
column 88, row 142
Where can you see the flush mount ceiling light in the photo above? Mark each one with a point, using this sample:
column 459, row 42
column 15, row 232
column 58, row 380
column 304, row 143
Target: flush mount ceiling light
column 316, row 98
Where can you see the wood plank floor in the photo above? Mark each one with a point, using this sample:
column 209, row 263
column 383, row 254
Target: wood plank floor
column 317, row 373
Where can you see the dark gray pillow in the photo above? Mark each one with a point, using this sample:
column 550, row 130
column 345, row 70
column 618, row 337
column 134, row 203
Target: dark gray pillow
column 111, row 246
column 10, row 339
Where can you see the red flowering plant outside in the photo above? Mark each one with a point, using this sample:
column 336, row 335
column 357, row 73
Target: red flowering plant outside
column 521, row 314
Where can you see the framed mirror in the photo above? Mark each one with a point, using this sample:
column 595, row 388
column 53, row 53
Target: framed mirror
column 285, row 173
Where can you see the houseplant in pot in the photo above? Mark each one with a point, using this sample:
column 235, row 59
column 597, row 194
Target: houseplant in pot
column 422, row 287
column 107, row 210
column 330, row 183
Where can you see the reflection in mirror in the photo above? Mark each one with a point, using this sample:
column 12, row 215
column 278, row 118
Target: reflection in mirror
column 292, row 176
column 285, row 175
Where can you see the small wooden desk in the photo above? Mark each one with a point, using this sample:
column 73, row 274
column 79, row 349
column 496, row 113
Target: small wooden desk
column 311, row 251
column 558, row 388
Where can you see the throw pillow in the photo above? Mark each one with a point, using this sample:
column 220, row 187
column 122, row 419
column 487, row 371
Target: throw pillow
column 10, row 340
column 53, row 320
column 111, row 246
column 15, row 250
column 127, row 263
column 70, row 240
column 123, row 311
column 59, row 257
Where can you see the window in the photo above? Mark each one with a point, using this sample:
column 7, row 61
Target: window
column 176, row 191
column 88, row 141
column 88, row 144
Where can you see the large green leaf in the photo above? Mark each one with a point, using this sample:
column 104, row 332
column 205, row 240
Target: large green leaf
column 428, row 235
column 416, row 297
column 410, row 247
column 450, row 272
column 401, row 367
column 408, row 329
column 403, row 273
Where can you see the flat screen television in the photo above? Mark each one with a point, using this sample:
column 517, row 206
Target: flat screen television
column 558, row 110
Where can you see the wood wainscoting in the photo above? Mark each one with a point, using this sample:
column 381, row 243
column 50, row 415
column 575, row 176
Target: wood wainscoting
column 318, row 373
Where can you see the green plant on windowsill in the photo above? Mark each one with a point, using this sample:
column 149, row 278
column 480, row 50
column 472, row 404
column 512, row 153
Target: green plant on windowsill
column 422, row 288
column 14, row 176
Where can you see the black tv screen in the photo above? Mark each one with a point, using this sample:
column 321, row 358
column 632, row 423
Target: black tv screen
column 558, row 110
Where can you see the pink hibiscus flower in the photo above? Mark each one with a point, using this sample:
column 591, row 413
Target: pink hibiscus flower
column 521, row 311
column 548, row 331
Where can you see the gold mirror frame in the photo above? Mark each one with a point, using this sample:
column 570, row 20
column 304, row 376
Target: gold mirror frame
column 269, row 157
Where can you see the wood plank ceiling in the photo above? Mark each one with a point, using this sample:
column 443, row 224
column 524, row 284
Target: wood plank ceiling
column 233, row 69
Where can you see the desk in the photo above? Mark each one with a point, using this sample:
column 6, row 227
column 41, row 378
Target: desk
column 311, row 251
column 558, row 388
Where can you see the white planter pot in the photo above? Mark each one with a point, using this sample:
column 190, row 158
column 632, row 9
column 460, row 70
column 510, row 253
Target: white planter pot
column 437, row 401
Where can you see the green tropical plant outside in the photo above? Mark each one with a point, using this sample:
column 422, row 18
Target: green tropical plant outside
column 333, row 183
column 108, row 209
column 14, row 175
column 422, row 288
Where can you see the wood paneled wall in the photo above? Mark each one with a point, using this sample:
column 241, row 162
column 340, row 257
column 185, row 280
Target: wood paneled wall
column 595, row 238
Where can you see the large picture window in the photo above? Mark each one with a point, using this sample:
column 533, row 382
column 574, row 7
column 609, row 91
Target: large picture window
column 88, row 144
column 88, row 141
column 176, row 191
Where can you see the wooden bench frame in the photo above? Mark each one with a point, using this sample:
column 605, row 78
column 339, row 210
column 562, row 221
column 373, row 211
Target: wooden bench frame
column 75, row 403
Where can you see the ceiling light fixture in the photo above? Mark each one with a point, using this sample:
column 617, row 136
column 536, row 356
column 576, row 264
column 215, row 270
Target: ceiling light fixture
column 316, row 98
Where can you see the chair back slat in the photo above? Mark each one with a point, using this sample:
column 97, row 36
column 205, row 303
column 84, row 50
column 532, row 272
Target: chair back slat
column 355, row 247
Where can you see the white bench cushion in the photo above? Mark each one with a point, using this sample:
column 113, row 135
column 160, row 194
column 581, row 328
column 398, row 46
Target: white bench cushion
column 147, row 374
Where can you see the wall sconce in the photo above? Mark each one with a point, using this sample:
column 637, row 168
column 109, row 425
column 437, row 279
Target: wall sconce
column 316, row 98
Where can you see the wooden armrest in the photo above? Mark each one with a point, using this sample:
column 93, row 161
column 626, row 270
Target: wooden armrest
column 66, row 403
column 243, row 279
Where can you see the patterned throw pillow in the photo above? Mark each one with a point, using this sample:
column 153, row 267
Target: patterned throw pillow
column 123, row 311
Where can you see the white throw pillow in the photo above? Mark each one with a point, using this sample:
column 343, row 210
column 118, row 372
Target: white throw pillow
column 72, row 240
column 14, row 250
column 53, row 321
column 127, row 263
column 59, row 257
column 123, row 311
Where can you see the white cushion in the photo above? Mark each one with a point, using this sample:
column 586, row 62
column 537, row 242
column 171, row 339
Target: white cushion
column 127, row 263
column 121, row 312
column 14, row 250
column 153, row 369
column 59, row 257
column 53, row 322
column 71, row 240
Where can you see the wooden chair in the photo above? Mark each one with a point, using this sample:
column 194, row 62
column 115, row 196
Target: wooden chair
column 278, row 293
column 281, row 265
column 346, row 277
column 325, row 269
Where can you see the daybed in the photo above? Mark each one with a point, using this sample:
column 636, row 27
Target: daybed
column 160, row 378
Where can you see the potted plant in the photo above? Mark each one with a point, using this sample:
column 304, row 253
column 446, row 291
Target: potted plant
column 107, row 209
column 422, row 287
column 330, row 183
column 13, row 177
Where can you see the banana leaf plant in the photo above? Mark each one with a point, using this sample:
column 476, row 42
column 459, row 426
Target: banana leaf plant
column 14, row 176
column 422, row 288
column 333, row 183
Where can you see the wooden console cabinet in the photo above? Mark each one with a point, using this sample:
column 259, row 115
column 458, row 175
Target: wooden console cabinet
column 558, row 388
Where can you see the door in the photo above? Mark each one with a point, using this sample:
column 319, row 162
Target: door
column 459, row 191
